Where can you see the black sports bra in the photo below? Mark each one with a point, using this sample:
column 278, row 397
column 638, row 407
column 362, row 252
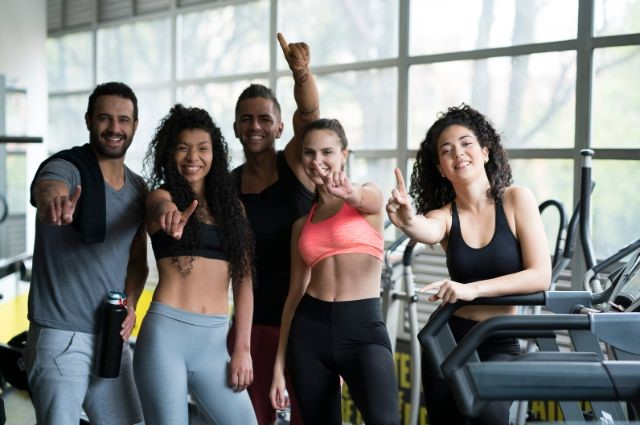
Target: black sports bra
column 209, row 245
column 501, row 256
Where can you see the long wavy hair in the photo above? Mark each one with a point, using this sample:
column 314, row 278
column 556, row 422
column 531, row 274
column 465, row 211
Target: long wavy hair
column 220, row 192
column 432, row 191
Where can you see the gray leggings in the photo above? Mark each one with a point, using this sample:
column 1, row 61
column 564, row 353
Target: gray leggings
column 178, row 351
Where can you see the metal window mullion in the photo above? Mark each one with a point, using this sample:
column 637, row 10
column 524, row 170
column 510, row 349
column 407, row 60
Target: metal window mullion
column 616, row 40
column 374, row 153
column 584, row 72
column 354, row 66
column 619, row 154
column 402, row 116
column 94, row 40
column 273, row 45
column 495, row 52
column 63, row 14
column 173, row 73
column 225, row 78
column 567, row 153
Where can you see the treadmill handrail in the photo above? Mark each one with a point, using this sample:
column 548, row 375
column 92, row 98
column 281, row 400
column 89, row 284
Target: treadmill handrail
column 12, row 265
column 430, row 334
column 598, row 323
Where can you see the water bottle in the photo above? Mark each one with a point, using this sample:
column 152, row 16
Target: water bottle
column 109, row 355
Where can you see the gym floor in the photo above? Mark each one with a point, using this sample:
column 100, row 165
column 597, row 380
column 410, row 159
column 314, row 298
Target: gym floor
column 13, row 316
column 18, row 407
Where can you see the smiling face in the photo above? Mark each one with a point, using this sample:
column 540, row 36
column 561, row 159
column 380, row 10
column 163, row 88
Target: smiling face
column 111, row 126
column 460, row 154
column 257, row 124
column 193, row 156
column 324, row 148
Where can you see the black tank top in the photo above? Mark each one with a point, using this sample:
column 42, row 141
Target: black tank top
column 271, row 214
column 209, row 245
column 501, row 256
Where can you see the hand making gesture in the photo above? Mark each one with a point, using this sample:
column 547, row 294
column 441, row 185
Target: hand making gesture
column 335, row 182
column 172, row 222
column 59, row 210
column 296, row 54
column 449, row 291
column 399, row 206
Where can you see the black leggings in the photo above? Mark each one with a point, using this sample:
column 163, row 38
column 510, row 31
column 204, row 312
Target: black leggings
column 349, row 339
column 441, row 406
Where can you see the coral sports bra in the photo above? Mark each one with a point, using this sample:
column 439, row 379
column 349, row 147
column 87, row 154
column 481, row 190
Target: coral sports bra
column 346, row 232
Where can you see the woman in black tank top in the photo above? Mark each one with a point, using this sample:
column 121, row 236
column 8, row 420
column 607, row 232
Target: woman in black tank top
column 491, row 232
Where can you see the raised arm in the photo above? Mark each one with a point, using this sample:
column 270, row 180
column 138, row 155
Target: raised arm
column 305, row 93
column 429, row 229
column 163, row 214
column 300, row 275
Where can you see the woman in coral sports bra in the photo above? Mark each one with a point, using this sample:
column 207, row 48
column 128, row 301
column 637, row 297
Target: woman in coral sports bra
column 332, row 323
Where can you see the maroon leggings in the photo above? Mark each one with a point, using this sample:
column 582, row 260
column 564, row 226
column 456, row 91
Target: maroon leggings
column 264, row 345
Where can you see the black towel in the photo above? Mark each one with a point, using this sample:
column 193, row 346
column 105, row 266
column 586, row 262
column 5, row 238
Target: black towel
column 91, row 214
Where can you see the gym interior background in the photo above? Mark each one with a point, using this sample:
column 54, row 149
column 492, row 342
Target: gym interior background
column 555, row 76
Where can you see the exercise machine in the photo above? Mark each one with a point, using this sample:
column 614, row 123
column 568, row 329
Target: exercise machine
column 399, row 304
column 559, row 375
column 439, row 347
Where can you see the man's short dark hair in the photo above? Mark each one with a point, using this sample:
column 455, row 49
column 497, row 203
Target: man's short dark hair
column 112, row 88
column 258, row 90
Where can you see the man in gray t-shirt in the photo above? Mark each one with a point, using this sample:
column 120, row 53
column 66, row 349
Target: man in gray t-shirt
column 89, row 241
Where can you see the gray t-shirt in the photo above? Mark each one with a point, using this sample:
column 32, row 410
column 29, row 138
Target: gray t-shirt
column 70, row 279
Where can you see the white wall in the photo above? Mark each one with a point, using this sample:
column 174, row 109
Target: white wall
column 23, row 34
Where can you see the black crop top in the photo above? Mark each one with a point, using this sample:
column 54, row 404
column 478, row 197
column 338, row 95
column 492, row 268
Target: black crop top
column 501, row 256
column 209, row 246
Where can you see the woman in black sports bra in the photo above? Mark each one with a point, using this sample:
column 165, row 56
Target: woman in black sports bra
column 202, row 242
column 491, row 232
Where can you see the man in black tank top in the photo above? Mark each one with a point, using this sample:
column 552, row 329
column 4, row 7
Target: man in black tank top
column 275, row 191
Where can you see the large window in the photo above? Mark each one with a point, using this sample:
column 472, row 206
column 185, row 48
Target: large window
column 456, row 25
column 554, row 76
column 529, row 98
column 342, row 31
column 70, row 62
column 138, row 53
column 227, row 40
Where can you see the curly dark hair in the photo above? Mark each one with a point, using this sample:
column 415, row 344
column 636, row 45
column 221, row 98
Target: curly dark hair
column 428, row 188
column 220, row 193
